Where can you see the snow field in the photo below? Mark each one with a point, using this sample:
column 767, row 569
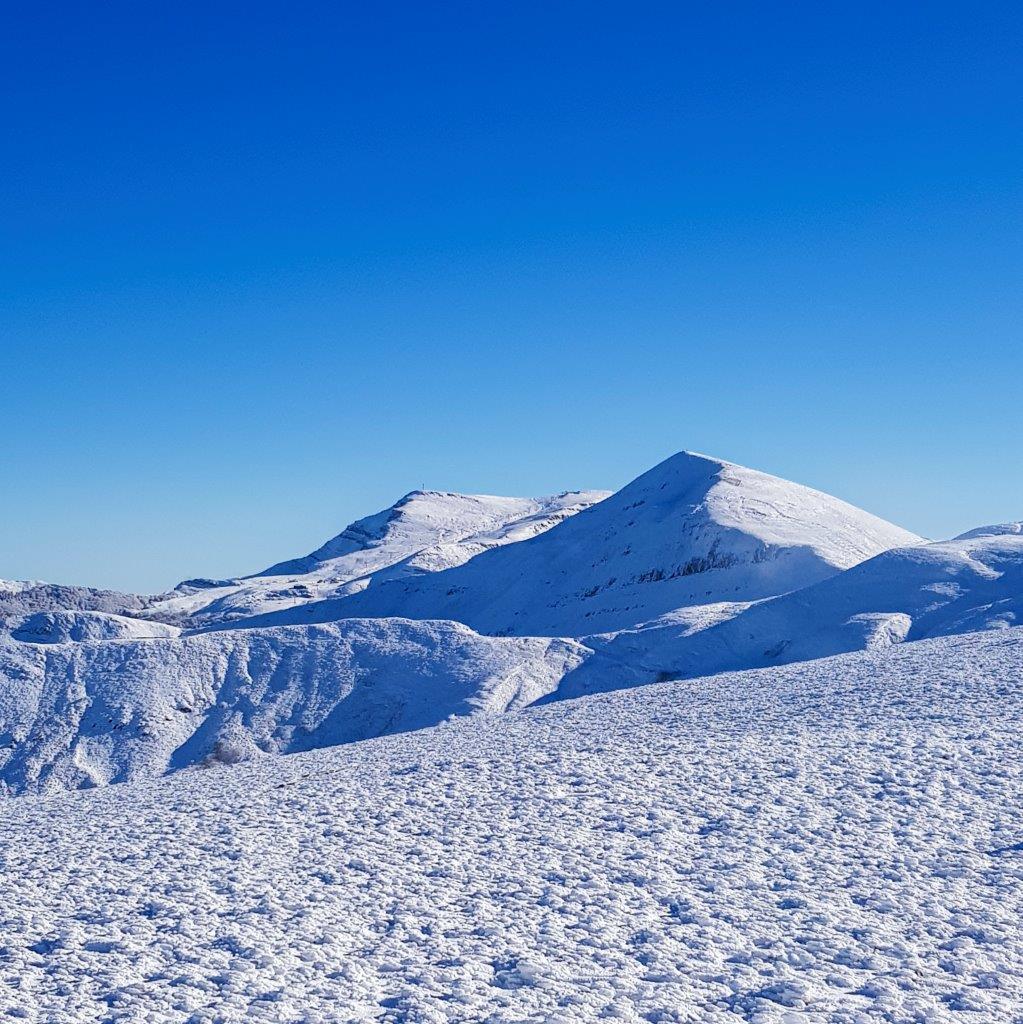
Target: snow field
column 832, row 841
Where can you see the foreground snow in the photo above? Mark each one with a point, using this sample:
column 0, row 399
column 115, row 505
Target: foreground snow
column 833, row 841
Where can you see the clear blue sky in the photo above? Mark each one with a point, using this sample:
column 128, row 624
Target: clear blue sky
column 267, row 267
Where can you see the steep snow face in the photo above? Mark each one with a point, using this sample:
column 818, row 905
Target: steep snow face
column 426, row 531
column 86, row 714
column 905, row 594
column 691, row 531
column 838, row 841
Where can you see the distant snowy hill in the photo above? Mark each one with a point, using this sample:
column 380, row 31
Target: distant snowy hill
column 691, row 531
column 835, row 842
column 426, row 531
column 998, row 530
column 25, row 597
column 58, row 627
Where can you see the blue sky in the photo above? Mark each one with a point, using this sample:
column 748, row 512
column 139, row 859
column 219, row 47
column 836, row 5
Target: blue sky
column 267, row 267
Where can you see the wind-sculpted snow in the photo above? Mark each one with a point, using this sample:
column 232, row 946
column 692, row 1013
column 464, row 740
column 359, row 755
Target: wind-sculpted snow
column 691, row 531
column 834, row 842
column 426, row 531
column 91, row 713
column 905, row 594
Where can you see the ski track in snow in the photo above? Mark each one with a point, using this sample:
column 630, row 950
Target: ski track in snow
column 831, row 841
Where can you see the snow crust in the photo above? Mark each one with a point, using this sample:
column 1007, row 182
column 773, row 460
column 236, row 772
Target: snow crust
column 832, row 842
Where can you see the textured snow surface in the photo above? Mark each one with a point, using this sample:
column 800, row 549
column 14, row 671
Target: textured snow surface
column 834, row 841
column 425, row 531
column 91, row 713
column 692, row 530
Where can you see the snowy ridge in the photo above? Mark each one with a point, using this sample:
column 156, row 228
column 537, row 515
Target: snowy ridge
column 425, row 531
column 835, row 842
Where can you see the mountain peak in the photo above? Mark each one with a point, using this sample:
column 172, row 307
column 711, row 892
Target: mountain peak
column 692, row 530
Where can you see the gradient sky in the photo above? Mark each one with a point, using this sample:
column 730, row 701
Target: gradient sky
column 267, row 267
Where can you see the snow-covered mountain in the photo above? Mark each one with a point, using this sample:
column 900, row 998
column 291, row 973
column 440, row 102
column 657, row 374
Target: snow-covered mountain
column 691, row 531
column 425, row 531
column 835, row 842
column 451, row 605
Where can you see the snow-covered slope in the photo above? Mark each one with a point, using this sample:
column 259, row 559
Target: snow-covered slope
column 693, row 530
column 90, row 713
column 905, row 594
column 835, row 842
column 426, row 531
